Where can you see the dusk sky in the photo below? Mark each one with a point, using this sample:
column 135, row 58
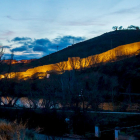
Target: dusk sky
column 33, row 28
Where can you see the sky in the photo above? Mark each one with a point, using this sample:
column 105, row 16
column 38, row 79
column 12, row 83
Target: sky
column 34, row 28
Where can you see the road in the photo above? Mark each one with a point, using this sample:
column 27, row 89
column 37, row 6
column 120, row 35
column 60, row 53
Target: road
column 71, row 111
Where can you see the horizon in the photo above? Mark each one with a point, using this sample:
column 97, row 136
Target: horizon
column 34, row 29
column 28, row 58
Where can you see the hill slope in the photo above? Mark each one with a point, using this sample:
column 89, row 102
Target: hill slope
column 118, row 53
column 84, row 49
column 92, row 46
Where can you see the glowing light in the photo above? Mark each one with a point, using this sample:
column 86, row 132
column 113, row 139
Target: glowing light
column 15, row 61
column 48, row 75
column 2, row 76
column 78, row 63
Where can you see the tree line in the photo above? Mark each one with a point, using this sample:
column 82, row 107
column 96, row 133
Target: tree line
column 131, row 27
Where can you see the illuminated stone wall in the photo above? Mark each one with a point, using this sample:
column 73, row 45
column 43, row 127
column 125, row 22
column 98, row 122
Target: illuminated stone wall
column 77, row 63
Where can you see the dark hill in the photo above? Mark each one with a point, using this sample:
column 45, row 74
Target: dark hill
column 92, row 46
column 127, row 71
column 86, row 48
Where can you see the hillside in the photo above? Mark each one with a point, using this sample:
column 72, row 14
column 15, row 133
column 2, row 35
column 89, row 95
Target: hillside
column 103, row 77
column 127, row 72
column 92, row 46
column 86, row 48
column 113, row 55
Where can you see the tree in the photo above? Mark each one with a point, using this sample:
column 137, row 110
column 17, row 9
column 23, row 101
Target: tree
column 113, row 88
column 9, row 101
column 68, row 85
column 137, row 28
column 120, row 28
column 115, row 28
column 10, row 65
column 132, row 27
column 74, row 62
column 61, row 66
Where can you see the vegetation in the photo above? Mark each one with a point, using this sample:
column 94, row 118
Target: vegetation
column 15, row 131
column 115, row 83
column 103, row 83
column 131, row 27
column 83, row 49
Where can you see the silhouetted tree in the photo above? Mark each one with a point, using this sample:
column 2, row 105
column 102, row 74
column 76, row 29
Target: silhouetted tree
column 133, row 27
column 115, row 27
column 137, row 28
column 9, row 69
column 120, row 28
column 68, row 85
column 114, row 84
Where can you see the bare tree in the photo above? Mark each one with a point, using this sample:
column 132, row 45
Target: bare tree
column 128, row 90
column 61, row 66
column 74, row 62
column 9, row 101
column 10, row 65
column 79, row 63
column 113, row 85
column 89, row 61
column 68, row 86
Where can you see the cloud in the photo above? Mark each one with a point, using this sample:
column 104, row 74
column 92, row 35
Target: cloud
column 42, row 42
column 124, row 11
column 35, row 18
column 8, row 33
column 27, row 56
column 127, row 11
column 52, row 50
column 6, row 56
column 65, row 41
column 19, row 19
column 43, row 46
column 20, row 49
column 40, row 48
column 22, row 57
column 6, row 47
column 21, row 39
column 85, row 23
column 2, row 38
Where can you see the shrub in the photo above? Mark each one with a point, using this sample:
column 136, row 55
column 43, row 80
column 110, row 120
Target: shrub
column 15, row 131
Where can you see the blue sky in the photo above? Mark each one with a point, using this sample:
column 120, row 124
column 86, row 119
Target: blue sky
column 34, row 28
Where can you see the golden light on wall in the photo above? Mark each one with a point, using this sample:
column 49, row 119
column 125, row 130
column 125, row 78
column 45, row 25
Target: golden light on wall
column 77, row 63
